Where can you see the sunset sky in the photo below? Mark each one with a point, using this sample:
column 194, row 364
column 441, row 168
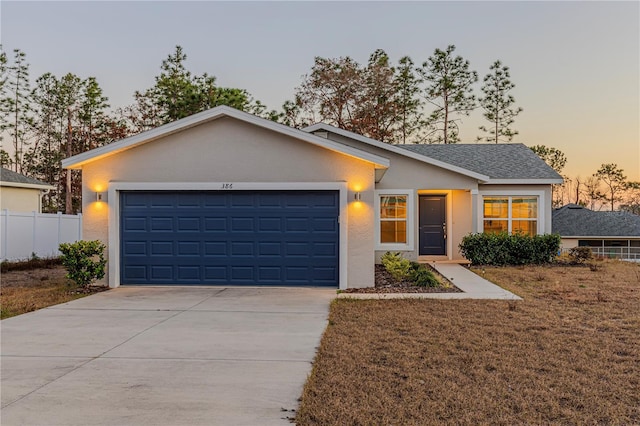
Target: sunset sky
column 576, row 65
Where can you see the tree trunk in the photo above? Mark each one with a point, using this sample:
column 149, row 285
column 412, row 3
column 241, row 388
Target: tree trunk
column 68, row 195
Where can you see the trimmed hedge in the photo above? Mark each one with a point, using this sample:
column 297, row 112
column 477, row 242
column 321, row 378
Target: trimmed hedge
column 505, row 249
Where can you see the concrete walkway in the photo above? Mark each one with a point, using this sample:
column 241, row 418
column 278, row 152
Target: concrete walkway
column 472, row 285
column 163, row 356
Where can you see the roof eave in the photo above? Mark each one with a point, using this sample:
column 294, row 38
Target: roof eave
column 523, row 181
column 345, row 133
column 27, row 185
column 603, row 237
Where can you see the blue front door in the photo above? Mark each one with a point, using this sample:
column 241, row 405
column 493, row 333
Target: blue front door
column 433, row 225
column 229, row 237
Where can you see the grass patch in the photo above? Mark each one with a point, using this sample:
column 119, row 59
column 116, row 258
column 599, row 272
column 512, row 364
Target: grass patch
column 28, row 289
column 568, row 354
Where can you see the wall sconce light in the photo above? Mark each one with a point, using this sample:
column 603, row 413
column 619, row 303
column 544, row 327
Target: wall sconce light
column 358, row 196
column 99, row 196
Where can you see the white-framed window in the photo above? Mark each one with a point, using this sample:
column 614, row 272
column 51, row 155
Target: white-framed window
column 394, row 217
column 512, row 214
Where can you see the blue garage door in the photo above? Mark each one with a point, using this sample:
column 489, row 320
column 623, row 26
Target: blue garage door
column 229, row 237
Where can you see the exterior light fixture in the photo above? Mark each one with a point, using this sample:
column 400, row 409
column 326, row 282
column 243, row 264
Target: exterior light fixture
column 99, row 196
column 358, row 196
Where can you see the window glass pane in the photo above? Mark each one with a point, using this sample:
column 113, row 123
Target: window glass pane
column 526, row 227
column 524, row 207
column 496, row 226
column 393, row 207
column 393, row 231
column 616, row 243
column 496, row 207
column 635, row 243
column 590, row 243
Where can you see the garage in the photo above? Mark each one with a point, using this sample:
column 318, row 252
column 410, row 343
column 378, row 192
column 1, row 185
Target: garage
column 253, row 238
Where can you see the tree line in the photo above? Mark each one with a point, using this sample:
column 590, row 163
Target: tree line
column 608, row 187
column 405, row 102
column 60, row 116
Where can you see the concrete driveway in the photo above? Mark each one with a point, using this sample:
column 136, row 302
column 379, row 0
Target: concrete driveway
column 163, row 356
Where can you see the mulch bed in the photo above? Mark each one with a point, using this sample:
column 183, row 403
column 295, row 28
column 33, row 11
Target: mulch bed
column 385, row 283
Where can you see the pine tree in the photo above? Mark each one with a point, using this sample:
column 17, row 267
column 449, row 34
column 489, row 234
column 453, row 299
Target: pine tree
column 92, row 115
column 5, row 158
column 16, row 106
column 408, row 103
column 177, row 93
column 615, row 182
column 449, row 90
column 497, row 104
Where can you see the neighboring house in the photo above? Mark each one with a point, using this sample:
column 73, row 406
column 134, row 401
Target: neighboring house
column 608, row 234
column 225, row 197
column 19, row 193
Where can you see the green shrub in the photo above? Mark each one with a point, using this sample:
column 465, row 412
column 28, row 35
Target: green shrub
column 405, row 270
column 579, row 255
column 399, row 267
column 84, row 261
column 424, row 277
column 509, row 249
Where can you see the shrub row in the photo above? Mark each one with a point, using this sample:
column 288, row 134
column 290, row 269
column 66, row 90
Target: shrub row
column 509, row 249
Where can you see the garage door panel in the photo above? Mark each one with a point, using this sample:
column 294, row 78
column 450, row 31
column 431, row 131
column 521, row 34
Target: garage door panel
column 189, row 224
column 134, row 224
column 136, row 272
column 221, row 238
column 242, row 224
column 215, row 224
column 135, row 248
column 160, row 272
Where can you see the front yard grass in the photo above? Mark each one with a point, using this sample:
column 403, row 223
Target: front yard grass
column 23, row 291
column 569, row 353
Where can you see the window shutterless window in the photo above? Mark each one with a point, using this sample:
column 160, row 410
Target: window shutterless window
column 511, row 214
column 393, row 219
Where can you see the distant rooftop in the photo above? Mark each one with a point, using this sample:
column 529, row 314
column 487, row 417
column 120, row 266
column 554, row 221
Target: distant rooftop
column 12, row 178
column 573, row 220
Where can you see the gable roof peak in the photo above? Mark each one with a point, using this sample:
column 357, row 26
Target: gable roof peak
column 77, row 161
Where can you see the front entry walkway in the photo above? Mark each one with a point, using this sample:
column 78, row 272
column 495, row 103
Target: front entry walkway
column 163, row 356
column 473, row 287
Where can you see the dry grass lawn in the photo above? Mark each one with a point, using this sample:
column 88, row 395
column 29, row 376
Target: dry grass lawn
column 24, row 291
column 568, row 354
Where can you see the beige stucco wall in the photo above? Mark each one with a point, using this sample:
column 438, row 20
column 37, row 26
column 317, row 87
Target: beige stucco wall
column 228, row 150
column 567, row 243
column 19, row 199
column 408, row 173
column 423, row 178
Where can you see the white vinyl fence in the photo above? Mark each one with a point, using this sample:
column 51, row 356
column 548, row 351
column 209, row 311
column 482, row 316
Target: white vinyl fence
column 24, row 234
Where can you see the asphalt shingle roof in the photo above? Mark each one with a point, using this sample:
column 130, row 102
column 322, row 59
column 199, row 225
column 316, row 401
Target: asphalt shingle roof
column 10, row 176
column 498, row 161
column 576, row 221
